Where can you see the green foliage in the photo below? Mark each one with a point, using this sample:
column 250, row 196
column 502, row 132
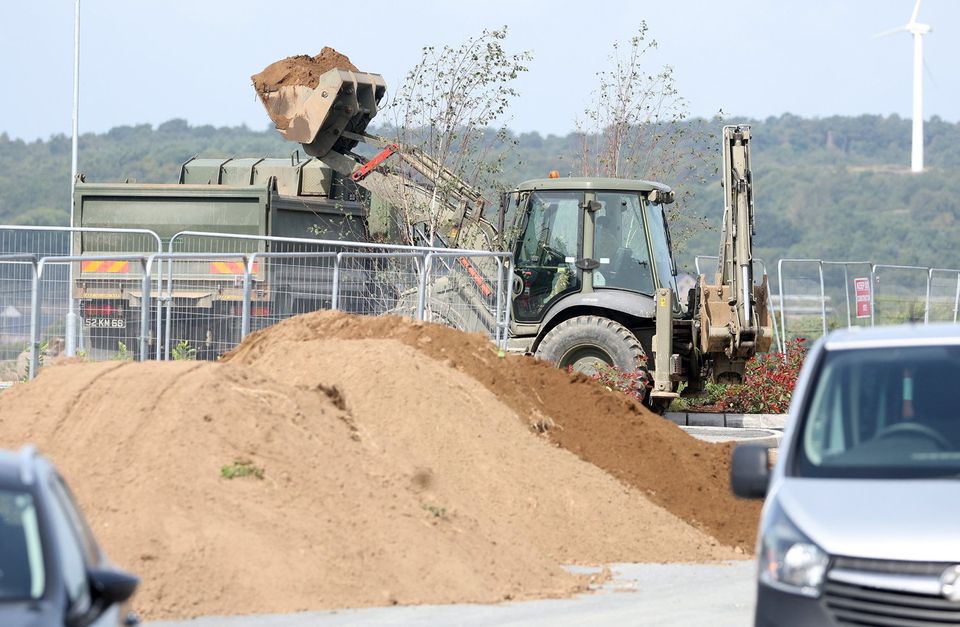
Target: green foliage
column 768, row 382
column 183, row 351
column 635, row 128
column 836, row 188
column 712, row 394
column 446, row 109
column 436, row 510
column 123, row 354
column 633, row 384
column 35, row 176
column 241, row 468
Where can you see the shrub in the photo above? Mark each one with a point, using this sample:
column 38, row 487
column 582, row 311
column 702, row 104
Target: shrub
column 633, row 384
column 183, row 351
column 241, row 468
column 768, row 382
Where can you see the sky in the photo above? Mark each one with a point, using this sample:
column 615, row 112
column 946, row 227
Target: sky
column 151, row 61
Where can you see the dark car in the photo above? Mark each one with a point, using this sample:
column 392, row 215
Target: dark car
column 52, row 571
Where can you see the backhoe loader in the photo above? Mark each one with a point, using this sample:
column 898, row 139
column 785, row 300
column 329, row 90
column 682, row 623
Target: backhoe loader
column 593, row 272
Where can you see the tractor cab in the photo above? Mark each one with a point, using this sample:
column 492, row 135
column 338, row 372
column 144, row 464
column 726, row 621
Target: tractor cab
column 578, row 236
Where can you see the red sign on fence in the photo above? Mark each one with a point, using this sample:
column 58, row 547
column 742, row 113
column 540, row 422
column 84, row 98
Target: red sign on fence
column 861, row 288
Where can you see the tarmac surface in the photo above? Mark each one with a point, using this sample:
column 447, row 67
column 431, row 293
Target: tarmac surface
column 667, row 595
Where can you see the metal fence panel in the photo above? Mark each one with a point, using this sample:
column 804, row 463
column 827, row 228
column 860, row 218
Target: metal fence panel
column 817, row 295
column 296, row 277
column 202, row 302
column 16, row 309
column 899, row 294
column 468, row 291
column 801, row 299
column 943, row 295
column 69, row 293
column 840, row 280
column 119, row 323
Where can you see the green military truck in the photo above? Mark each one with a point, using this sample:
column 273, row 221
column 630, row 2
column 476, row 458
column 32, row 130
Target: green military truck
column 290, row 198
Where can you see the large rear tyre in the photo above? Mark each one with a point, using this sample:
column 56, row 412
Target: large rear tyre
column 584, row 342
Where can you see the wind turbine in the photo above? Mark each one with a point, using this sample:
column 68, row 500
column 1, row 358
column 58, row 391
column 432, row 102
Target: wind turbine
column 918, row 30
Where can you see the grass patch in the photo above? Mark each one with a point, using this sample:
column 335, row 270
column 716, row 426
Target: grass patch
column 436, row 510
column 241, row 468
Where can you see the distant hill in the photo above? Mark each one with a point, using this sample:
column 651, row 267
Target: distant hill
column 835, row 187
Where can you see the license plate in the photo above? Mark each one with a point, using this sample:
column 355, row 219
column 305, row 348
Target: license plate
column 105, row 323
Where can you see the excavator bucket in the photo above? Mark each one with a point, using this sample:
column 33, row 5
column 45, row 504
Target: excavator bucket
column 315, row 108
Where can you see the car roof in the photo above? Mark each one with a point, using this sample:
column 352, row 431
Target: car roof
column 937, row 334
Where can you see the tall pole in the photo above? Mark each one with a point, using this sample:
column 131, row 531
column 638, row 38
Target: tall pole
column 71, row 330
column 916, row 155
column 76, row 103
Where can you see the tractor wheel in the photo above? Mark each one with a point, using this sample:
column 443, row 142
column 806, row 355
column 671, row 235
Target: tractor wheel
column 584, row 342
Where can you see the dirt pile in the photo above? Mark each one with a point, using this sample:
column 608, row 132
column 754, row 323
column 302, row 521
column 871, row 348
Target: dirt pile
column 300, row 70
column 388, row 476
column 688, row 477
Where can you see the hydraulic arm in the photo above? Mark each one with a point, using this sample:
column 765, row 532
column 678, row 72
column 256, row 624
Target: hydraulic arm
column 733, row 316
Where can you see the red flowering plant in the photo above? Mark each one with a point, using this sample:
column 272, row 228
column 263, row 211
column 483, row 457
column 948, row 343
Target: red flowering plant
column 768, row 381
column 633, row 384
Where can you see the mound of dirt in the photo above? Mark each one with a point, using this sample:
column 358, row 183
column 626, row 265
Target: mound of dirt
column 686, row 476
column 300, row 70
column 387, row 472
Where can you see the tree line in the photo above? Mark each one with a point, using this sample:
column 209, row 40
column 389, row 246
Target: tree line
column 836, row 187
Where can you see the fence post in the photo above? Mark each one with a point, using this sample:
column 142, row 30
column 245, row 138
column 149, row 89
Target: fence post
column 509, row 306
column 873, row 294
column 169, row 321
column 35, row 300
column 823, row 298
column 335, row 297
column 926, row 304
column 247, row 296
column 422, row 296
column 499, row 305
column 956, row 299
column 146, row 265
column 783, row 308
column 846, row 294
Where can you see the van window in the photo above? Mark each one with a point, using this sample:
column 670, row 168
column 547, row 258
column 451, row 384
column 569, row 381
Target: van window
column 882, row 413
column 21, row 554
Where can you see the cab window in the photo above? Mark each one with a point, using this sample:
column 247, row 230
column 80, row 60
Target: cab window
column 547, row 252
column 620, row 244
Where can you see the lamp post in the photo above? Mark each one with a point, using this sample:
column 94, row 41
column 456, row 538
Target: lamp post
column 71, row 330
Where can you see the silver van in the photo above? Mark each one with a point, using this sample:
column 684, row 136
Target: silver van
column 861, row 523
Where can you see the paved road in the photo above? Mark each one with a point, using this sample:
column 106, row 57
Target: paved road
column 665, row 595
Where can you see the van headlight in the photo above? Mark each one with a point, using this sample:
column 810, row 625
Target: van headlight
column 789, row 560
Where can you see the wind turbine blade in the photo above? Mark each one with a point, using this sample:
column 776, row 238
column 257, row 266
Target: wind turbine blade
column 890, row 32
column 916, row 10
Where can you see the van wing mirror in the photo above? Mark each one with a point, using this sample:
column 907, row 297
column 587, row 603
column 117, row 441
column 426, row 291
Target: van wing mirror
column 112, row 586
column 750, row 471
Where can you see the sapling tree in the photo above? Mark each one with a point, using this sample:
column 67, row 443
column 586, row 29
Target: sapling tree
column 637, row 125
column 452, row 108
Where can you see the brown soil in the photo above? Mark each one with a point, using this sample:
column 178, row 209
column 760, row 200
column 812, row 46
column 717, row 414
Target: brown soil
column 686, row 476
column 388, row 476
column 300, row 70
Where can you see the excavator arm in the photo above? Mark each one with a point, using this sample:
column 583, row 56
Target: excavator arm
column 329, row 120
column 733, row 316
